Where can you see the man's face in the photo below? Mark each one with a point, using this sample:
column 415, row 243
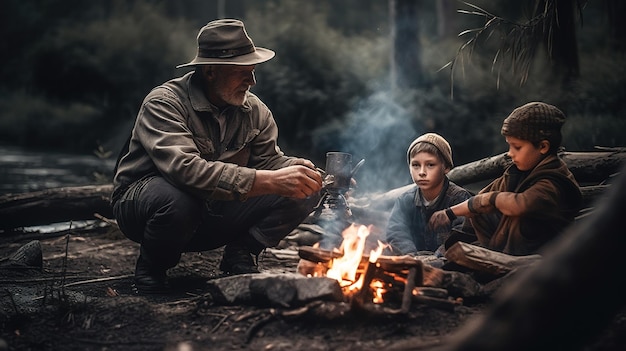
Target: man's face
column 230, row 83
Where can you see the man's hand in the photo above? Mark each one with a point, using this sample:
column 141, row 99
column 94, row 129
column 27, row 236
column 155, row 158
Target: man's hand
column 297, row 181
column 438, row 219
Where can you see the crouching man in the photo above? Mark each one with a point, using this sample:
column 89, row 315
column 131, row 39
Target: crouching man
column 202, row 168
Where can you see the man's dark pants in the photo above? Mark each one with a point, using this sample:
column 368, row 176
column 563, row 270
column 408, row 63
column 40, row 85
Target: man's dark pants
column 167, row 221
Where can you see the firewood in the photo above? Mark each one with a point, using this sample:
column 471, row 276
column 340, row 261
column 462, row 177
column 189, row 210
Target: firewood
column 485, row 260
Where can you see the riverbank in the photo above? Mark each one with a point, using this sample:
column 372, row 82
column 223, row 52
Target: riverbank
column 23, row 170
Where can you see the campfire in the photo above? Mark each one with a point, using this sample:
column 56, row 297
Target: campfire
column 368, row 280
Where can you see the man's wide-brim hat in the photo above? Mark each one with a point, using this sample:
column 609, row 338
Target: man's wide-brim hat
column 226, row 42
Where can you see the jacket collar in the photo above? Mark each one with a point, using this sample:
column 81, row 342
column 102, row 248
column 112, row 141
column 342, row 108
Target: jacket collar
column 419, row 199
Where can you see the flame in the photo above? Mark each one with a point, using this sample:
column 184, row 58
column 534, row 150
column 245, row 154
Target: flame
column 378, row 289
column 348, row 270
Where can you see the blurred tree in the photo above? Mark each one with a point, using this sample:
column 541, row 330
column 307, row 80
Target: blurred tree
column 446, row 19
column 75, row 72
column 318, row 73
column 616, row 11
column 120, row 51
column 406, row 49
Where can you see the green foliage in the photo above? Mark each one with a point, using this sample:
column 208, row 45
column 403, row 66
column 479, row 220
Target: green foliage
column 35, row 121
column 318, row 72
column 102, row 70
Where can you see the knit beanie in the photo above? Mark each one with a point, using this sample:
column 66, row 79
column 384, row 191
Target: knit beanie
column 534, row 122
column 436, row 140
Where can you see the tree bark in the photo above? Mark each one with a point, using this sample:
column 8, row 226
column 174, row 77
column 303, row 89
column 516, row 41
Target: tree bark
column 485, row 260
column 587, row 167
column 55, row 205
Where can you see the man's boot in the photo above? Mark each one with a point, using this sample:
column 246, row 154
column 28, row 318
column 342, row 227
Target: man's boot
column 150, row 279
column 241, row 257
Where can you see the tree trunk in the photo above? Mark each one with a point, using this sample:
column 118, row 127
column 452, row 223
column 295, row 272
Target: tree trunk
column 446, row 18
column 561, row 41
column 616, row 10
column 406, row 66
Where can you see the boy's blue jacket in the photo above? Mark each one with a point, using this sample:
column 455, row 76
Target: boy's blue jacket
column 407, row 230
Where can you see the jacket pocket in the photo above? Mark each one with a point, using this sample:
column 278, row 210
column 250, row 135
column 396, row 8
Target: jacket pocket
column 206, row 148
column 239, row 152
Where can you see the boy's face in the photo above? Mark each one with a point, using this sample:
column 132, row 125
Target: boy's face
column 428, row 172
column 524, row 154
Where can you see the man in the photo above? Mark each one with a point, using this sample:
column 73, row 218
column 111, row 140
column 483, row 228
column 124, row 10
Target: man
column 202, row 168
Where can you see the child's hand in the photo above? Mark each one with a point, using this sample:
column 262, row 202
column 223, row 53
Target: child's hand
column 438, row 219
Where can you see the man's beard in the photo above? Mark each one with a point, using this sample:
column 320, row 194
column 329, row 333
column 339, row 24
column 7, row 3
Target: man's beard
column 233, row 98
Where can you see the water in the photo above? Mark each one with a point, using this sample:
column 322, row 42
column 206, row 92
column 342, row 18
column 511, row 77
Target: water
column 25, row 171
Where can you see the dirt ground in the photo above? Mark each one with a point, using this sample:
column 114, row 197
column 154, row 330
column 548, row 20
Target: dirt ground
column 83, row 300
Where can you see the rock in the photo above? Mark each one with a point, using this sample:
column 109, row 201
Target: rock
column 283, row 290
column 28, row 256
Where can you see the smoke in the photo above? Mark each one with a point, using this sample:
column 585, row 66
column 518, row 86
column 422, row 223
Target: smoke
column 378, row 130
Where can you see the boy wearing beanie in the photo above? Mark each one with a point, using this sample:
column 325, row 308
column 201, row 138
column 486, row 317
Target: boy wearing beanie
column 430, row 159
column 535, row 198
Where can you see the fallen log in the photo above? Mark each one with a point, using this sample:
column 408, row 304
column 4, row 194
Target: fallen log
column 82, row 202
column 54, row 205
column 587, row 167
column 485, row 260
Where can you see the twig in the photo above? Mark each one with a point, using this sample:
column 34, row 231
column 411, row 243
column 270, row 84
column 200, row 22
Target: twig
column 246, row 315
column 106, row 220
column 31, row 280
column 256, row 326
column 220, row 323
column 98, row 280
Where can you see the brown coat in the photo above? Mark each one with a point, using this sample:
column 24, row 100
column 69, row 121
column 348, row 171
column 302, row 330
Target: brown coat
column 177, row 136
column 550, row 198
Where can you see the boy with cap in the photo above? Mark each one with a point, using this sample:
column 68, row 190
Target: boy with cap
column 430, row 159
column 535, row 198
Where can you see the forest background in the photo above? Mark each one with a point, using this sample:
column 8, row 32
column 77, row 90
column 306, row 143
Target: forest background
column 75, row 72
